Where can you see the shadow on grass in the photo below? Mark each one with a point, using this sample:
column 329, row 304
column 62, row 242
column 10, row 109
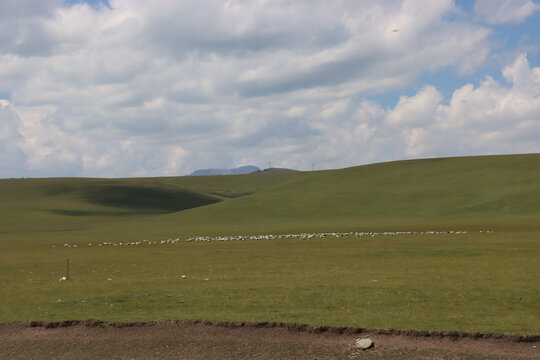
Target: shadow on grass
column 135, row 199
column 146, row 198
column 68, row 212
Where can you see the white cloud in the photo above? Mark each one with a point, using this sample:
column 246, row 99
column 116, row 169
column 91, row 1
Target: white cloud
column 369, row 110
column 12, row 160
column 491, row 118
column 161, row 87
column 175, row 161
column 415, row 142
column 493, row 106
column 46, row 144
column 336, row 109
column 505, row 11
column 295, row 111
column 363, row 132
column 415, row 110
column 525, row 79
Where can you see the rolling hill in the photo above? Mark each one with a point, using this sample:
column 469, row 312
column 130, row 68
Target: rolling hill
column 469, row 280
column 471, row 192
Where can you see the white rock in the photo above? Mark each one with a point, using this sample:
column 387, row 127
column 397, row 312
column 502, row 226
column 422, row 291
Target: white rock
column 364, row 343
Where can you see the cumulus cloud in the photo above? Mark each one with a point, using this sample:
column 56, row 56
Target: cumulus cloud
column 175, row 160
column 495, row 117
column 12, row 159
column 418, row 109
column 153, row 88
column 505, row 11
column 493, row 105
column 490, row 118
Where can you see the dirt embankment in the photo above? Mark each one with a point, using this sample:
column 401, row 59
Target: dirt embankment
column 92, row 339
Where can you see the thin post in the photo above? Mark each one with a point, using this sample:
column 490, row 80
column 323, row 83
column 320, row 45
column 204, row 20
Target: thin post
column 67, row 272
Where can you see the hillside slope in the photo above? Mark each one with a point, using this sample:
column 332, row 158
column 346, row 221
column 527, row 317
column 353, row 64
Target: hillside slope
column 466, row 281
column 80, row 207
column 468, row 192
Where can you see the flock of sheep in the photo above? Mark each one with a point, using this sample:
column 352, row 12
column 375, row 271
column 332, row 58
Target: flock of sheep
column 272, row 237
column 318, row 235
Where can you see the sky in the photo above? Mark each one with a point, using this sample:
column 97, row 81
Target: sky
column 124, row 88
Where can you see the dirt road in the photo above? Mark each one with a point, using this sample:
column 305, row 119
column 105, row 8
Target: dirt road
column 204, row 340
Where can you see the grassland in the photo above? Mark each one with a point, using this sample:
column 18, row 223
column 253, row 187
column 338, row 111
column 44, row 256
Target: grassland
column 472, row 282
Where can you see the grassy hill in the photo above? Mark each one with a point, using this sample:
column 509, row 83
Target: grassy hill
column 471, row 192
column 473, row 281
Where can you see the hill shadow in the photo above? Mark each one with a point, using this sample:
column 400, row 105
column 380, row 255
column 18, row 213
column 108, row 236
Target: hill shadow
column 129, row 199
column 145, row 199
column 68, row 212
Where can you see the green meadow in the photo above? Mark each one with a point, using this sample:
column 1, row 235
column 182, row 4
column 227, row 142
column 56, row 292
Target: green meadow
column 473, row 281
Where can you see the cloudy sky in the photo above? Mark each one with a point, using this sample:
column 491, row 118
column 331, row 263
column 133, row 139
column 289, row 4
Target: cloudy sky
column 149, row 88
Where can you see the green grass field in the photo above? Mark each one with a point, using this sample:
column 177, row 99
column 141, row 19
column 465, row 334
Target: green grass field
column 474, row 281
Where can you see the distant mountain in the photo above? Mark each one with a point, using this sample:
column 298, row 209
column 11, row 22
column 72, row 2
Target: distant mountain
column 236, row 171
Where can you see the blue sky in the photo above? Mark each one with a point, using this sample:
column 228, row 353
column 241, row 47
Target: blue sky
column 93, row 3
column 137, row 88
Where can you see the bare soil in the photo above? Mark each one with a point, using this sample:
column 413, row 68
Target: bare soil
column 92, row 339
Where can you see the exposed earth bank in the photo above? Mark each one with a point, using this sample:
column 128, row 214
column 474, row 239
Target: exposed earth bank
column 93, row 339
